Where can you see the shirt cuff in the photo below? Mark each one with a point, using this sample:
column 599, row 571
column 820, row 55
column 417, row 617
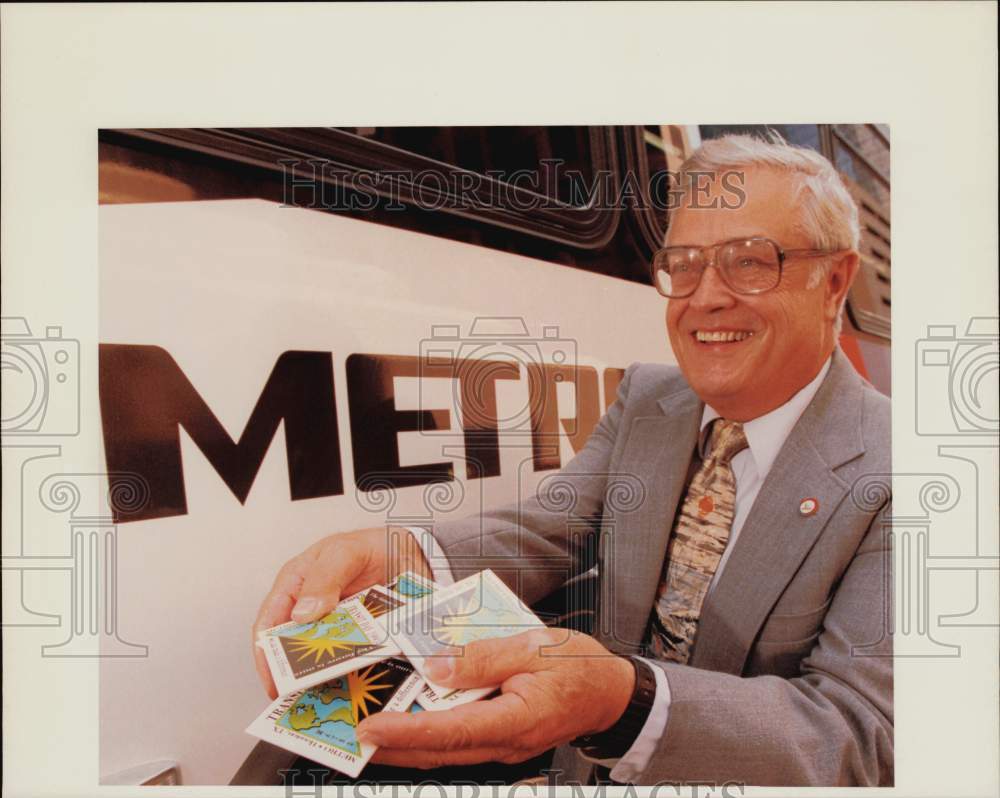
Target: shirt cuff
column 630, row 767
column 435, row 556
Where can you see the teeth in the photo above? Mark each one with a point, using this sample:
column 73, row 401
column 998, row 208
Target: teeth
column 717, row 336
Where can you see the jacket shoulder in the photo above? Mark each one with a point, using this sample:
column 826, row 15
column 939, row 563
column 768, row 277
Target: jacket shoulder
column 876, row 424
column 650, row 381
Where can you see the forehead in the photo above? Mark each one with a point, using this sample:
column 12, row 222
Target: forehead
column 769, row 208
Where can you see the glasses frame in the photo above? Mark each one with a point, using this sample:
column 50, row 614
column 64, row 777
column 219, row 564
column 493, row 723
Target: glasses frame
column 783, row 255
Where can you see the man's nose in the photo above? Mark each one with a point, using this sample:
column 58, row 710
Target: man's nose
column 712, row 292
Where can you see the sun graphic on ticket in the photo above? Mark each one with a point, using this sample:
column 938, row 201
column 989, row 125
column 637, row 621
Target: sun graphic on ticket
column 321, row 722
column 302, row 647
column 477, row 608
column 334, row 637
column 364, row 687
column 477, row 615
column 451, row 624
column 347, row 638
column 467, row 619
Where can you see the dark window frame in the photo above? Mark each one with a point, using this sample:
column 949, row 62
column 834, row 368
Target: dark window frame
column 844, row 142
column 649, row 227
column 587, row 227
column 873, row 286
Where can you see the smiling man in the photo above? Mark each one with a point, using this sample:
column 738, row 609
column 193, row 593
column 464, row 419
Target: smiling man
column 743, row 629
column 751, row 332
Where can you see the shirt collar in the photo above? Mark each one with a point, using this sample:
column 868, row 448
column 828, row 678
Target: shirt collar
column 767, row 434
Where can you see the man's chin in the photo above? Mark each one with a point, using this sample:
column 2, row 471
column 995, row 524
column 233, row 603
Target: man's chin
column 721, row 366
column 716, row 388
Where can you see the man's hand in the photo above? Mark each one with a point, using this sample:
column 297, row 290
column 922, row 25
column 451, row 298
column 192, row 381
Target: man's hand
column 310, row 585
column 556, row 685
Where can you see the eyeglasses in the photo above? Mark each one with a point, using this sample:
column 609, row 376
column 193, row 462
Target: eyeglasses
column 746, row 265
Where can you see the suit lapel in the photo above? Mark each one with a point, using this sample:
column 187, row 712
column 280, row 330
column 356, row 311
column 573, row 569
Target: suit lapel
column 777, row 536
column 658, row 452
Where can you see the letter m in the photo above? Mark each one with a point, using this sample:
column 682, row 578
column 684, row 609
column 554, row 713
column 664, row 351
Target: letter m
column 146, row 399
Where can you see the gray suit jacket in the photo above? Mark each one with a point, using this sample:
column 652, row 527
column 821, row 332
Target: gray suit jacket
column 790, row 678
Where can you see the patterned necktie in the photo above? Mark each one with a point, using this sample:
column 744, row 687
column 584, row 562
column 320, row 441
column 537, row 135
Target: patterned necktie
column 696, row 545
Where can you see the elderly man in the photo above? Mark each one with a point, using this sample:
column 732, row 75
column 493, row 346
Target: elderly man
column 742, row 633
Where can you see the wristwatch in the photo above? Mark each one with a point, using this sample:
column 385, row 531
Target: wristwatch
column 614, row 742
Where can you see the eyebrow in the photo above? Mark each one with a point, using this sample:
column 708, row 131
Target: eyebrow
column 724, row 241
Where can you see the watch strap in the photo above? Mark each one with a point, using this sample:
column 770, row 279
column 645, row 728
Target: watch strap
column 614, row 742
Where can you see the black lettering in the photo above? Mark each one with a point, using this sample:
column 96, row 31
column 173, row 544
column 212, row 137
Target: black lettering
column 543, row 379
column 375, row 421
column 145, row 397
column 478, row 393
column 612, row 379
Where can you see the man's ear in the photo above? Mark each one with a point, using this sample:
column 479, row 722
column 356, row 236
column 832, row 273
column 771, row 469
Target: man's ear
column 838, row 282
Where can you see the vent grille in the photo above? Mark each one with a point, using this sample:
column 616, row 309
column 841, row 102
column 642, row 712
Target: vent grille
column 870, row 301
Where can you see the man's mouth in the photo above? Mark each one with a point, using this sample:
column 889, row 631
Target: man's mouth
column 721, row 336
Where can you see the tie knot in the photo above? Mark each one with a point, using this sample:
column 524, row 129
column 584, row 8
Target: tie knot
column 726, row 440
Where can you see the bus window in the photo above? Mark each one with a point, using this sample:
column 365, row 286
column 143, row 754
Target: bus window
column 654, row 154
column 504, row 150
column 801, row 135
column 570, row 221
column 862, row 153
column 554, row 185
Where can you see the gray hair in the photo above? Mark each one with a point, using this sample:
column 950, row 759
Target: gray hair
column 828, row 212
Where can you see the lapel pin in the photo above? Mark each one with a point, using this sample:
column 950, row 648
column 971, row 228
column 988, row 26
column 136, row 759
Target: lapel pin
column 808, row 507
column 705, row 506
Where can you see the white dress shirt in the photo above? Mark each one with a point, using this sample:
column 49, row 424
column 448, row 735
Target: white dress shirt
column 765, row 435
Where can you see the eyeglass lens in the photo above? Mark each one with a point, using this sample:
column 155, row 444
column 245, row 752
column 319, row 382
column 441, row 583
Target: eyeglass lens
column 747, row 267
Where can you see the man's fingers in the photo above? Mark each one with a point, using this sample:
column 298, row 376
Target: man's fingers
column 487, row 663
column 310, row 585
column 333, row 569
column 276, row 608
column 273, row 611
column 436, row 759
column 264, row 673
column 483, row 724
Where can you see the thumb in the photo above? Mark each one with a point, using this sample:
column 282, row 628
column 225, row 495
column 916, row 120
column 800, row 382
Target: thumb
column 487, row 663
column 335, row 567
